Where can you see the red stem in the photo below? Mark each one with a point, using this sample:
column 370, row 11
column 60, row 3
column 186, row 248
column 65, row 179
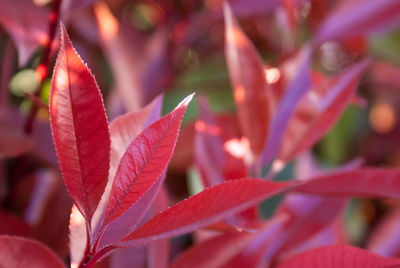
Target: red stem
column 99, row 255
column 42, row 70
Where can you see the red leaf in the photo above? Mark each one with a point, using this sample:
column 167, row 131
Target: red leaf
column 205, row 208
column 252, row 94
column 12, row 225
column 308, row 125
column 339, row 257
column 18, row 252
column 123, row 130
column 80, row 129
column 213, row 252
column 363, row 182
column 144, row 161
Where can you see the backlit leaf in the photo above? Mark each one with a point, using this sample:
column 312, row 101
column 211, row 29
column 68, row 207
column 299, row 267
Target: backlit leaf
column 205, row 208
column 253, row 96
column 144, row 161
column 80, row 129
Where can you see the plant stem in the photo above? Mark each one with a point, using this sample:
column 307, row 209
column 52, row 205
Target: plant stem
column 42, row 70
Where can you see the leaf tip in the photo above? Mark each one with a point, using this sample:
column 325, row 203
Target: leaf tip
column 187, row 100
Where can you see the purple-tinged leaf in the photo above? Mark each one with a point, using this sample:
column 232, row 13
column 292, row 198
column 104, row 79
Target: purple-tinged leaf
column 135, row 63
column 48, row 211
column 358, row 17
column 128, row 221
column 209, row 152
column 205, row 208
column 18, row 252
column 253, row 97
column 296, row 89
column 159, row 252
column 80, row 129
column 128, row 257
column 213, row 252
column 307, row 127
column 363, row 182
column 385, row 239
column 307, row 216
column 339, row 257
column 143, row 162
column 253, row 254
column 123, row 130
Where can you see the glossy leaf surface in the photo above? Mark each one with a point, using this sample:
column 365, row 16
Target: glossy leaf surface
column 144, row 161
column 205, row 208
column 253, row 97
column 80, row 129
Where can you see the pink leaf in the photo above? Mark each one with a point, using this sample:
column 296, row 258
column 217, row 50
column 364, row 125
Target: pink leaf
column 205, row 208
column 363, row 182
column 296, row 89
column 385, row 239
column 80, row 129
column 308, row 125
column 18, row 252
column 253, row 96
column 339, row 257
column 357, row 17
column 144, row 161
column 124, row 129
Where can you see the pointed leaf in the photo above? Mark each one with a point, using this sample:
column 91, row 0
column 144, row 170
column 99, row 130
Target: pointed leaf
column 18, row 252
column 253, row 97
column 123, row 130
column 205, row 208
column 339, row 257
column 297, row 87
column 363, row 182
column 80, row 129
column 144, row 161
column 307, row 127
